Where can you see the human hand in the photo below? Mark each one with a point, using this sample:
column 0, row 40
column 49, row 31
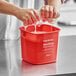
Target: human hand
column 28, row 16
column 49, row 13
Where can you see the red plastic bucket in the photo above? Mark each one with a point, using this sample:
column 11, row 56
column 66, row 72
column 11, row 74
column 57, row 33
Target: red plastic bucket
column 39, row 48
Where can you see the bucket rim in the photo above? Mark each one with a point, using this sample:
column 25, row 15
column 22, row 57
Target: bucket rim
column 40, row 33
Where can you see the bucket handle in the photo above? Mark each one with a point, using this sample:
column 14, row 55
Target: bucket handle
column 20, row 36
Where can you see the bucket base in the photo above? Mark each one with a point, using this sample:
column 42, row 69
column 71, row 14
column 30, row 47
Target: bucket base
column 40, row 63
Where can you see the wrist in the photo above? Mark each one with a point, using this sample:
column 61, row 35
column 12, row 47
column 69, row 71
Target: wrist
column 54, row 3
column 16, row 11
column 48, row 2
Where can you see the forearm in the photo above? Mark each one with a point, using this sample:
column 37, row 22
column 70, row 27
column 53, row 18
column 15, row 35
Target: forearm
column 56, row 3
column 8, row 8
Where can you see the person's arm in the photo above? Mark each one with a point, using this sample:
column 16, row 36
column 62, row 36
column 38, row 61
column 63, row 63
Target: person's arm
column 28, row 16
column 8, row 8
column 55, row 3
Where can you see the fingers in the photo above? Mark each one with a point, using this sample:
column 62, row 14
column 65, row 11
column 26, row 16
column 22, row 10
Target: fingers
column 31, row 17
column 43, row 12
column 49, row 12
column 36, row 15
column 46, row 11
column 26, row 20
column 55, row 13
